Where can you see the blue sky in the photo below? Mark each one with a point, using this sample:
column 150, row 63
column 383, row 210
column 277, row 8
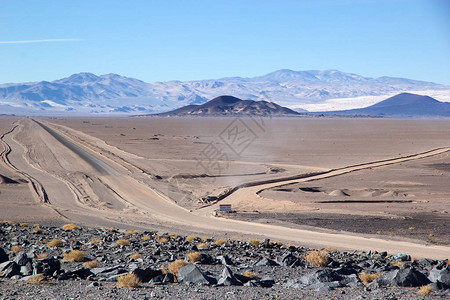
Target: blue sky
column 188, row 40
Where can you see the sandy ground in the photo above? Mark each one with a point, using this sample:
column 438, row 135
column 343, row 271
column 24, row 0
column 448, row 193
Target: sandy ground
column 169, row 173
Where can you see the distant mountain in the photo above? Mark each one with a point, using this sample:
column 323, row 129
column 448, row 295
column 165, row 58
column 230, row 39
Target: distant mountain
column 86, row 93
column 232, row 106
column 403, row 105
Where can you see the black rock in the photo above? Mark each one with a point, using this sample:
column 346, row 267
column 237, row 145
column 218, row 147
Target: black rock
column 21, row 259
column 227, row 278
column 287, row 260
column 12, row 269
column 46, row 266
column 3, row 256
column 400, row 277
column 82, row 273
column 27, row 269
column 145, row 275
column 266, row 262
column 225, row 260
column 439, row 286
column 266, row 243
column 265, row 282
column 192, row 274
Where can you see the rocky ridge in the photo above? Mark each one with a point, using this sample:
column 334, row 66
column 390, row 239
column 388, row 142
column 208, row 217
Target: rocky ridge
column 69, row 262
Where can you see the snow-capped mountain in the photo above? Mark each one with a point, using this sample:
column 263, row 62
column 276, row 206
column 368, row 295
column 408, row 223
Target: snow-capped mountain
column 86, row 93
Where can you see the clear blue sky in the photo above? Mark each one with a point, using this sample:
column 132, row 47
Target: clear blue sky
column 187, row 40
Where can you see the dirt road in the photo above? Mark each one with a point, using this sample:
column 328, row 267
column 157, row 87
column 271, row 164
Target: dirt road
column 73, row 176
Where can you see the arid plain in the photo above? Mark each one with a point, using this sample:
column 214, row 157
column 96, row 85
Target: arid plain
column 321, row 182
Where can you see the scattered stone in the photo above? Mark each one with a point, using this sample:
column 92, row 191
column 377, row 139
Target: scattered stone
column 401, row 277
column 192, row 274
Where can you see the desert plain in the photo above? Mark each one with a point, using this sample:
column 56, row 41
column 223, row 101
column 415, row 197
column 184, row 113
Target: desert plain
column 348, row 183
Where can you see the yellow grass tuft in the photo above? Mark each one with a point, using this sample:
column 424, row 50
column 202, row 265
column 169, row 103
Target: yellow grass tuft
column 55, row 243
column 37, row 229
column 128, row 281
column 206, row 238
column 75, row 255
column 91, row 264
column 194, row 257
column 173, row 235
column 37, row 279
column 94, row 240
column 16, row 249
column 318, row 258
column 123, row 242
column 220, row 242
column 164, row 270
column 254, row 242
column 163, row 239
column 175, row 266
column 69, row 227
column 146, row 237
column 202, row 245
column 425, row 290
column 367, row 278
column 250, row 274
column 190, row 238
column 131, row 231
column 135, row 256
column 42, row 256
column 24, row 224
column 8, row 222
column 399, row 264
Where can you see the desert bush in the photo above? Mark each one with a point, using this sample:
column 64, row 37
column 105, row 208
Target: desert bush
column 123, row 242
column 194, row 257
column 202, row 245
column 318, row 258
column 7, row 222
column 251, row 274
column 399, row 264
column 24, row 224
column 173, row 235
column 16, row 248
column 69, row 227
column 55, row 243
column 42, row 256
column 367, row 278
column 145, row 237
column 135, row 256
column 128, row 281
column 220, row 242
column 190, row 238
column 175, row 266
column 163, row 239
column 94, row 240
column 91, row 264
column 37, row 229
column 254, row 242
column 425, row 290
column 75, row 255
column 37, row 279
column 131, row 231
column 206, row 238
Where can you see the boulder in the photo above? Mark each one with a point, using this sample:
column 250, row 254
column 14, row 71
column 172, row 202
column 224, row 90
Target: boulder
column 10, row 269
column 287, row 260
column 225, row 260
column 266, row 262
column 440, row 274
column 192, row 274
column 21, row 259
column 227, row 278
column 145, row 275
column 3, row 256
column 401, row 277
column 47, row 266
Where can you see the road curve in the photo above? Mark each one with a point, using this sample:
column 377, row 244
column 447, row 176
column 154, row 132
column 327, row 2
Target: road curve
column 158, row 209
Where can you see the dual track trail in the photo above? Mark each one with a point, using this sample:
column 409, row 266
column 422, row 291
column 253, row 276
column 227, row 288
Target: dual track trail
column 90, row 188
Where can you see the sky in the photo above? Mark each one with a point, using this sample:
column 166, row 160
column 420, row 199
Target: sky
column 191, row 40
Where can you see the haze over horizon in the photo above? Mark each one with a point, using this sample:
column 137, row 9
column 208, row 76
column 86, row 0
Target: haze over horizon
column 162, row 41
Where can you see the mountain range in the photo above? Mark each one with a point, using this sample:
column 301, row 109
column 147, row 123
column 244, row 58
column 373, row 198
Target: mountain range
column 86, row 93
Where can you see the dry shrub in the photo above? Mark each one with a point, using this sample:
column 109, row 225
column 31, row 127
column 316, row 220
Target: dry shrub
column 131, row 231
column 448, row 261
column 69, row 227
column 94, row 240
column 8, row 222
column 190, row 238
column 318, row 258
column 16, row 248
column 135, row 256
column 220, row 242
column 42, row 256
column 91, row 264
column 251, row 274
column 37, row 229
column 37, row 279
column 194, row 257
column 203, row 246
column 278, row 243
column 146, row 238
column 425, row 290
column 75, row 255
column 163, row 239
column 173, row 235
column 123, row 242
column 24, row 224
column 164, row 270
column 128, row 281
column 399, row 264
column 367, row 278
column 254, row 242
column 175, row 266
column 55, row 243
column 206, row 238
